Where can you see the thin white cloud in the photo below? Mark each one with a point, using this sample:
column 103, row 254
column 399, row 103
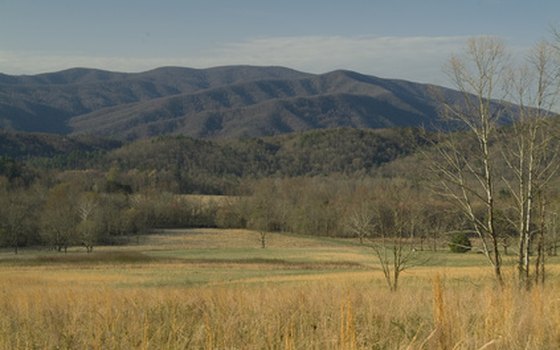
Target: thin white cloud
column 41, row 62
column 411, row 58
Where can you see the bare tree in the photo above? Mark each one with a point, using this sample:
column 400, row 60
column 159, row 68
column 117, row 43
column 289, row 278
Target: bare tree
column 17, row 217
column 88, row 227
column 360, row 222
column 530, row 151
column 393, row 248
column 59, row 217
column 553, row 231
column 465, row 169
column 262, row 217
column 394, row 219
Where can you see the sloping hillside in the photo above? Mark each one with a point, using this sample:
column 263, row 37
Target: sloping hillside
column 271, row 107
column 222, row 102
column 45, row 102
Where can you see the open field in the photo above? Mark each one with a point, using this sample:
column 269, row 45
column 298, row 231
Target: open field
column 216, row 289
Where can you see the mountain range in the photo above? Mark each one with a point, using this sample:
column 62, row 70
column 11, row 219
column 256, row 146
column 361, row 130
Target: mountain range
column 221, row 102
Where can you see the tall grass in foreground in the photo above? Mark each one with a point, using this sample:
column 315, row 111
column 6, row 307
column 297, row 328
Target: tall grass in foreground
column 304, row 315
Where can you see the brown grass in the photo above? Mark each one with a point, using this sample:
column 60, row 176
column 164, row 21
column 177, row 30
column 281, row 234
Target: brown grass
column 112, row 305
column 225, row 238
column 77, row 311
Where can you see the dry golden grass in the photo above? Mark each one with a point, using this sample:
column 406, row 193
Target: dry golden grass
column 297, row 315
column 144, row 305
column 226, row 238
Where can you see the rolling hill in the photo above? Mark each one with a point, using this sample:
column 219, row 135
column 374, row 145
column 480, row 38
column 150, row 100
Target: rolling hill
column 221, row 102
column 190, row 165
column 46, row 102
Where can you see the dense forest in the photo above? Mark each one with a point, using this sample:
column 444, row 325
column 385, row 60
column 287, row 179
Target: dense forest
column 183, row 165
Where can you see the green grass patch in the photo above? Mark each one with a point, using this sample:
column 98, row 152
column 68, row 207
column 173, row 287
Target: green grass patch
column 191, row 258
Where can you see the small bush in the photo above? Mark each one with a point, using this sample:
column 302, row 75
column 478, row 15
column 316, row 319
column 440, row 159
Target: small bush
column 460, row 243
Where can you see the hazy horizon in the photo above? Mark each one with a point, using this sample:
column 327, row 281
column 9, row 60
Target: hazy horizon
column 402, row 39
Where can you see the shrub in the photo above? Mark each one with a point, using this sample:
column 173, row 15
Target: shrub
column 460, row 243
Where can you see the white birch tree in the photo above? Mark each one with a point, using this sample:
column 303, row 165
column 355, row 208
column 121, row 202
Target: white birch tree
column 463, row 162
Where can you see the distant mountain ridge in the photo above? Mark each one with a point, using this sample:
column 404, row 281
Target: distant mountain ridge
column 220, row 102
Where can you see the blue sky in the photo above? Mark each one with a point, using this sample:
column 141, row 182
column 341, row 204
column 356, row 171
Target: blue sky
column 407, row 39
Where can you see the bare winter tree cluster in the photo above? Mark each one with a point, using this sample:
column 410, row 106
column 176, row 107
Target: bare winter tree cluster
column 490, row 171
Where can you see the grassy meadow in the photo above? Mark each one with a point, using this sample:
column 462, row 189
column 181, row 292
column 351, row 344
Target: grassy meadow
column 217, row 289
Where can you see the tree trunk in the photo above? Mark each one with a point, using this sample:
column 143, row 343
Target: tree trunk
column 263, row 239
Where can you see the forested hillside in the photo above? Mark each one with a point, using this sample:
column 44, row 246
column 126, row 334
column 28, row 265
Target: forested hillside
column 46, row 102
column 214, row 103
column 187, row 165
